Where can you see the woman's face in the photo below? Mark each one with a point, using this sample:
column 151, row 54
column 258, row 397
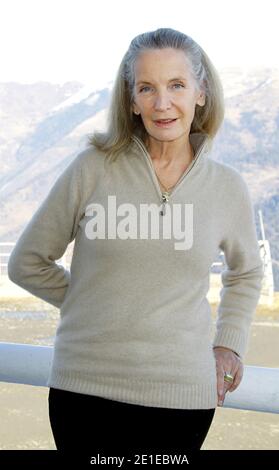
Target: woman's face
column 165, row 89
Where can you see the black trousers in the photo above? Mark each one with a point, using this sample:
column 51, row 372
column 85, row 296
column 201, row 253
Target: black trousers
column 101, row 425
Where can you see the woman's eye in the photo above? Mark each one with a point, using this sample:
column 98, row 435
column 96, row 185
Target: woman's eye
column 148, row 88
column 178, row 85
column 145, row 88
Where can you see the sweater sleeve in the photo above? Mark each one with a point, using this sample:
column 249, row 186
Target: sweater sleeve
column 32, row 264
column 242, row 278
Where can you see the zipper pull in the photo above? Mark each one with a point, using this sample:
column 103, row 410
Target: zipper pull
column 165, row 199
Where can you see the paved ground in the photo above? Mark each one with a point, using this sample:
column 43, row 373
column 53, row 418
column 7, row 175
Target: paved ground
column 24, row 409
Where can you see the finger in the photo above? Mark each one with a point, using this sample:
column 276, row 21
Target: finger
column 237, row 379
column 227, row 387
column 220, row 380
column 236, row 372
column 220, row 385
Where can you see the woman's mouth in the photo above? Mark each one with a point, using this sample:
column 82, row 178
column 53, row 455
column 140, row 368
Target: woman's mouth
column 164, row 122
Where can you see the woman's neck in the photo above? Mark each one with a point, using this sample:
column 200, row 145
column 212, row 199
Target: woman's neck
column 168, row 154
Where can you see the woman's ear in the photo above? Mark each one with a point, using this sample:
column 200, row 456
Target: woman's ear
column 135, row 108
column 201, row 94
column 201, row 99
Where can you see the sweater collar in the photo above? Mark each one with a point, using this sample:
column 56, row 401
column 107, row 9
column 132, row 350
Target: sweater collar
column 200, row 142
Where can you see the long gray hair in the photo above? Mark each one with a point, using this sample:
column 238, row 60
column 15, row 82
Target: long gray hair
column 123, row 123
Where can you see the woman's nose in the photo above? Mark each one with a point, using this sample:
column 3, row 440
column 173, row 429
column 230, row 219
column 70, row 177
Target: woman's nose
column 162, row 102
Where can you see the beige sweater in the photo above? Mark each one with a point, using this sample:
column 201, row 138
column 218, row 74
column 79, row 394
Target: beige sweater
column 135, row 323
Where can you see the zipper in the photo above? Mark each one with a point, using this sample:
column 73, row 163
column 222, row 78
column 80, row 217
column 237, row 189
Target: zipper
column 164, row 196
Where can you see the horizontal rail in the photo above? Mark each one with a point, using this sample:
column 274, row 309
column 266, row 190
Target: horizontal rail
column 30, row 364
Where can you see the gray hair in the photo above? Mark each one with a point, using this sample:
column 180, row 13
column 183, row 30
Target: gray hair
column 123, row 123
column 166, row 38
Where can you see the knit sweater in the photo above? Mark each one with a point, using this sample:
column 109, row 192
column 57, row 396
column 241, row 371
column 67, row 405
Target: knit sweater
column 135, row 323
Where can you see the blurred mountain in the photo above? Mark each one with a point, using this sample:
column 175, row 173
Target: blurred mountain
column 44, row 126
column 249, row 141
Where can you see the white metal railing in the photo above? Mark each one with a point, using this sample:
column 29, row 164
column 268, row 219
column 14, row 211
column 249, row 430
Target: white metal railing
column 30, row 364
column 267, row 291
column 6, row 255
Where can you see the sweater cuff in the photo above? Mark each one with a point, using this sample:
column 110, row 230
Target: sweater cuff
column 231, row 338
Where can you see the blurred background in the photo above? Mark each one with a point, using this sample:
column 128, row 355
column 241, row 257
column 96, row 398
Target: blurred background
column 58, row 63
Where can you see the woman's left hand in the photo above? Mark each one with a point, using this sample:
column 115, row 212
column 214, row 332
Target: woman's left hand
column 227, row 361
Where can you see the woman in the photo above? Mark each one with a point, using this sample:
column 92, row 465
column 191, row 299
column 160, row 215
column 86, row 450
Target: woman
column 135, row 367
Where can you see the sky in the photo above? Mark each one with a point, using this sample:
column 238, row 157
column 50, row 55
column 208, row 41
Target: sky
column 85, row 40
